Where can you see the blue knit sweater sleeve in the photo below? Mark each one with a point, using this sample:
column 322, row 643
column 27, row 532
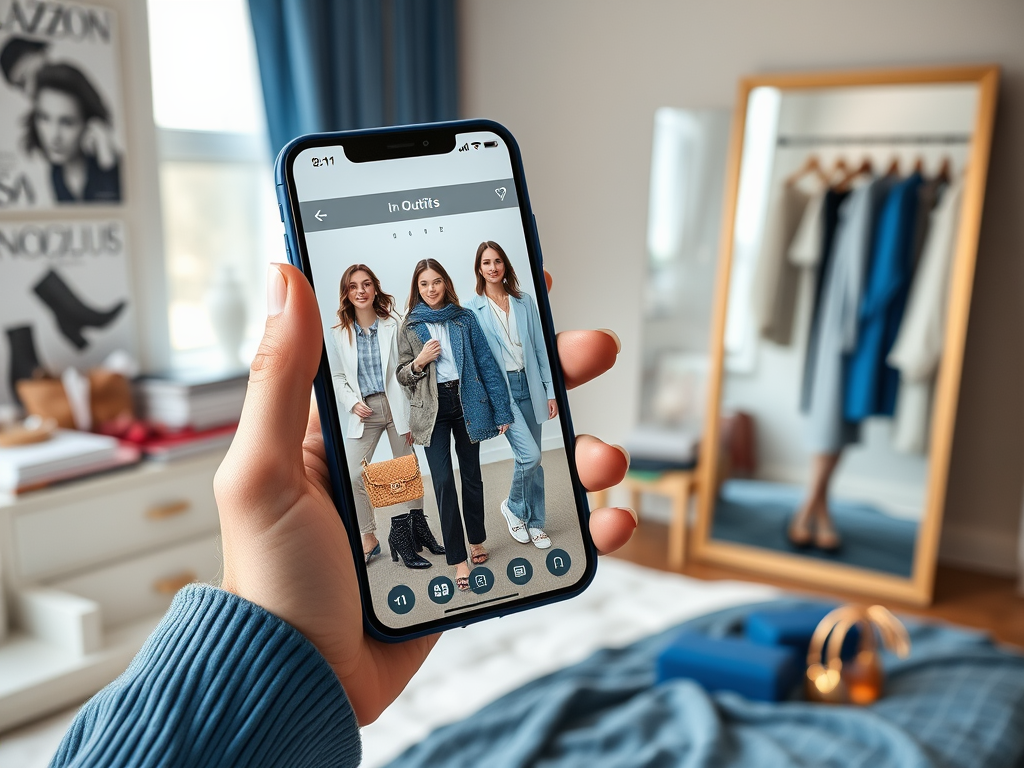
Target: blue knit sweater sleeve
column 220, row 682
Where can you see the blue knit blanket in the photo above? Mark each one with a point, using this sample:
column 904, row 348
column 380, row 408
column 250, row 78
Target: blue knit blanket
column 958, row 700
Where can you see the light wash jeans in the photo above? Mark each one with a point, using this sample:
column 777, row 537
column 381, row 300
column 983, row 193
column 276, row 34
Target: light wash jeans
column 526, row 496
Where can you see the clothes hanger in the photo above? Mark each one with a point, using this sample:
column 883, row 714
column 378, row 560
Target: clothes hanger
column 862, row 169
column 919, row 165
column 894, row 166
column 811, row 165
column 945, row 172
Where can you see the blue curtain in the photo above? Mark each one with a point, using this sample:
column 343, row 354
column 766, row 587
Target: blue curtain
column 330, row 65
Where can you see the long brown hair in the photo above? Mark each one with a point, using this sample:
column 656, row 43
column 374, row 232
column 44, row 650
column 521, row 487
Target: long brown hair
column 450, row 296
column 383, row 303
column 509, row 282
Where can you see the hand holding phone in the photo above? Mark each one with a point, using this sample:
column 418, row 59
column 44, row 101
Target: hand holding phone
column 422, row 251
column 285, row 546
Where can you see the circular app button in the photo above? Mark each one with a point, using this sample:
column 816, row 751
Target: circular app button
column 401, row 599
column 520, row 571
column 441, row 590
column 481, row 580
column 559, row 562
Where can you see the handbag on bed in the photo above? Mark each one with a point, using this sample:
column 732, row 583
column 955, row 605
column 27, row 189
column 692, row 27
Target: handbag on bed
column 393, row 481
column 860, row 680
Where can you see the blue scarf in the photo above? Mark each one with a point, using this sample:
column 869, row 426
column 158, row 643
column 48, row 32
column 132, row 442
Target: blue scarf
column 421, row 314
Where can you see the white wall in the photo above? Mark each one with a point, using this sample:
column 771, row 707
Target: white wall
column 578, row 81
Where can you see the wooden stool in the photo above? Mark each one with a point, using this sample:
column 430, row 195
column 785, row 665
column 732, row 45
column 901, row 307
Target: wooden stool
column 677, row 485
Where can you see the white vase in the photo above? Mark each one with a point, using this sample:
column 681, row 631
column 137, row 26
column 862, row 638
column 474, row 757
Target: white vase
column 225, row 302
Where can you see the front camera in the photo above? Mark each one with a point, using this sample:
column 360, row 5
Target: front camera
column 426, row 143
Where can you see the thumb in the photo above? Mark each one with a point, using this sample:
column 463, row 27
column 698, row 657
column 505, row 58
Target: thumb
column 266, row 453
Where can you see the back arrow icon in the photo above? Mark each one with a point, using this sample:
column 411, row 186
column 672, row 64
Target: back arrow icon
column 320, row 215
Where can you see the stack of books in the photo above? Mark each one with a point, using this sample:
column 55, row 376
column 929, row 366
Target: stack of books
column 192, row 400
column 67, row 454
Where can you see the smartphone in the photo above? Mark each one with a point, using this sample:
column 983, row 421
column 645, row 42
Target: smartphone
column 441, row 398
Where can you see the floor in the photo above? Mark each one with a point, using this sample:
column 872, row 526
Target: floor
column 963, row 597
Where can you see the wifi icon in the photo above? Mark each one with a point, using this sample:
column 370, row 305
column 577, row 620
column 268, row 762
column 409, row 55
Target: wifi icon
column 476, row 145
column 464, row 148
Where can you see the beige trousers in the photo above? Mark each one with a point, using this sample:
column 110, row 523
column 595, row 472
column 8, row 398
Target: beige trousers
column 361, row 448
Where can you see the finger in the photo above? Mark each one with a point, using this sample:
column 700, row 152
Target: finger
column 599, row 464
column 586, row 354
column 611, row 527
column 548, row 280
column 266, row 452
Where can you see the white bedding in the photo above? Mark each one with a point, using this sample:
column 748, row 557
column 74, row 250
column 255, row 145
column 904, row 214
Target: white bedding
column 471, row 667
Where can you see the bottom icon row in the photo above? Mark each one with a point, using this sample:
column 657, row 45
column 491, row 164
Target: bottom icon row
column 441, row 589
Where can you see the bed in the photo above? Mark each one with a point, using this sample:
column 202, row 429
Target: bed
column 571, row 684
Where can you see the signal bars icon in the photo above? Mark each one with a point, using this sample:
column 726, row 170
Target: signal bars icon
column 464, row 148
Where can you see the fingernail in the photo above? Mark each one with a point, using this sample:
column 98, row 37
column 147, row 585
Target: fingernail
column 624, row 453
column 636, row 517
column 614, row 335
column 277, row 290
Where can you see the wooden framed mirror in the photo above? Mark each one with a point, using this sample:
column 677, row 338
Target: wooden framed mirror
column 850, row 230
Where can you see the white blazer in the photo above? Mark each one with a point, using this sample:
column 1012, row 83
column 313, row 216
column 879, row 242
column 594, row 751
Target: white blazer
column 346, row 377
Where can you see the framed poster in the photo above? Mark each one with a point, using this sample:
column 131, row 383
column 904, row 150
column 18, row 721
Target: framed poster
column 65, row 297
column 62, row 114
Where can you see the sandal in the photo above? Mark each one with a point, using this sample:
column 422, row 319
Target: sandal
column 478, row 556
column 462, row 582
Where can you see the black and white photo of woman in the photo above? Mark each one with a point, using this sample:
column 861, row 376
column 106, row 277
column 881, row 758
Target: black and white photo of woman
column 69, row 125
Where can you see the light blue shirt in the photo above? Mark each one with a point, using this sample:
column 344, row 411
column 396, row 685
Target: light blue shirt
column 445, row 364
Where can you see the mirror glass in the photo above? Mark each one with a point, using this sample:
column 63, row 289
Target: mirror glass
column 844, row 237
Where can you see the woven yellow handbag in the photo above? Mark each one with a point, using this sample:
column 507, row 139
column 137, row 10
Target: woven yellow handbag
column 393, row 481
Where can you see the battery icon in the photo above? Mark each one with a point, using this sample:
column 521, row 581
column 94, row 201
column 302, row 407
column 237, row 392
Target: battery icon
column 490, row 144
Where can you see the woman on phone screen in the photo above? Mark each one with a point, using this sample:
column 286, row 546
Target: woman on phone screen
column 455, row 390
column 511, row 323
column 366, row 387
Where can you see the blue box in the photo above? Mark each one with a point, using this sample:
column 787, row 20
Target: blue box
column 793, row 628
column 762, row 672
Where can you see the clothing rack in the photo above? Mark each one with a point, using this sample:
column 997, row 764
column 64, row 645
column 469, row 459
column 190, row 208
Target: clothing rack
column 919, row 139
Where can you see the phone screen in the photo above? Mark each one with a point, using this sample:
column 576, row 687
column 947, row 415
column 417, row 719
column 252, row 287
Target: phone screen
column 453, row 428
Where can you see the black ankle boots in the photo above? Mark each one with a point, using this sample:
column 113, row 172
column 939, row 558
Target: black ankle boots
column 422, row 533
column 70, row 312
column 402, row 541
column 409, row 535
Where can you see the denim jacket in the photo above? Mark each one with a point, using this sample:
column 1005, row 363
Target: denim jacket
column 486, row 403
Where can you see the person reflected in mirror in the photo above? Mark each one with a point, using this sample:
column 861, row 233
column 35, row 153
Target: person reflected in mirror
column 70, row 126
column 511, row 322
column 812, row 524
column 455, row 389
column 366, row 386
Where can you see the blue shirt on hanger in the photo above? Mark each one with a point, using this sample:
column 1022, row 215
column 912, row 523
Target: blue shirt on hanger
column 871, row 385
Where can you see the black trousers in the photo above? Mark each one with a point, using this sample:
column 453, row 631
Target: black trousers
column 450, row 423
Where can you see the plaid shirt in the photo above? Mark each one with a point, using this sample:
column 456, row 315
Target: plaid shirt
column 371, row 377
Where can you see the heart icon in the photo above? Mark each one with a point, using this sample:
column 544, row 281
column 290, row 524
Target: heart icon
column 500, row 192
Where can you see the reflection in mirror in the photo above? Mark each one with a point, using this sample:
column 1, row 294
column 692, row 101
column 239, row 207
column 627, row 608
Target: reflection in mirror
column 684, row 221
column 844, row 237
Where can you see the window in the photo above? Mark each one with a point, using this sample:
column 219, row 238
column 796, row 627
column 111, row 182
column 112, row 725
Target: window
column 216, row 181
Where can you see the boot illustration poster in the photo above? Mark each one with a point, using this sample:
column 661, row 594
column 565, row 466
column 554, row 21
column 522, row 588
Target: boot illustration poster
column 61, row 106
column 65, row 297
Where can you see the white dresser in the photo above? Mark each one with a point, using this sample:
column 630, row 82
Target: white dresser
column 88, row 568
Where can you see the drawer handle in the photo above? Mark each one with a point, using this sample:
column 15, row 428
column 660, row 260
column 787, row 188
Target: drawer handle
column 172, row 584
column 172, row 509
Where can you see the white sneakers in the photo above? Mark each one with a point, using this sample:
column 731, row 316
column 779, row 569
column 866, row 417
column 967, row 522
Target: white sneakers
column 539, row 538
column 515, row 526
column 519, row 531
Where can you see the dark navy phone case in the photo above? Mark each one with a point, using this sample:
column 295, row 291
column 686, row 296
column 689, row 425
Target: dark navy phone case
column 324, row 390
